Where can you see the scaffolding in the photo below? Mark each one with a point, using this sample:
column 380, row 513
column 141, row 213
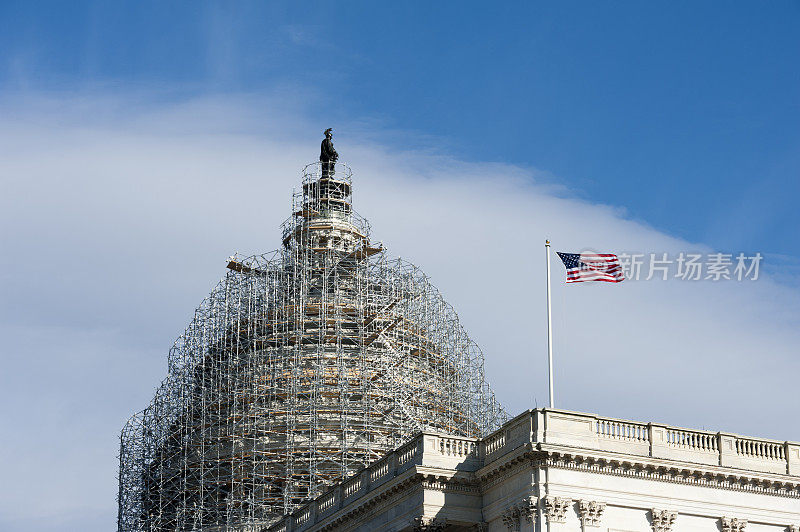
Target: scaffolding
column 301, row 367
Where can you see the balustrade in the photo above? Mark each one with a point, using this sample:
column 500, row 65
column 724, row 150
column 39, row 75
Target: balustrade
column 456, row 447
column 407, row 453
column 326, row 502
column 699, row 441
column 381, row 469
column 622, row 430
column 305, row 515
column 352, row 486
column 760, row 449
column 494, row 443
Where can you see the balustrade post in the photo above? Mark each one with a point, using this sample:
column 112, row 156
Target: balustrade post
column 727, row 449
column 393, row 459
column 340, row 496
column 658, row 440
column 792, row 458
column 366, row 481
column 312, row 513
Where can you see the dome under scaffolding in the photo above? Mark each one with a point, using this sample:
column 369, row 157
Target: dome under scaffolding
column 301, row 368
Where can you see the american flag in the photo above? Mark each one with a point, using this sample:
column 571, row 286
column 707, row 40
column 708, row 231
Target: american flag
column 592, row 267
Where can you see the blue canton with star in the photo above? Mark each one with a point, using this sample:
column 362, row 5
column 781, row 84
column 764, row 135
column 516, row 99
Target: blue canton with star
column 570, row 260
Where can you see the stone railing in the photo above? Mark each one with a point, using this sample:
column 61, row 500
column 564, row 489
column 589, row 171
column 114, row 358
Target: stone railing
column 654, row 440
column 621, row 430
column 689, row 439
column 760, row 449
column 494, row 442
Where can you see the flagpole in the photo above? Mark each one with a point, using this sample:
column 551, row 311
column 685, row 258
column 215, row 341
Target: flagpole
column 549, row 326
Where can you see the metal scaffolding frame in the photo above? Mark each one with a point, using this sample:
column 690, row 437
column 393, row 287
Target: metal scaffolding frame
column 301, row 367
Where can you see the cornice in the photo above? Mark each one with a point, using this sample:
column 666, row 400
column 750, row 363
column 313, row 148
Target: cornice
column 386, row 495
column 675, row 473
column 373, row 503
column 508, row 465
column 512, row 468
column 439, row 484
column 623, row 465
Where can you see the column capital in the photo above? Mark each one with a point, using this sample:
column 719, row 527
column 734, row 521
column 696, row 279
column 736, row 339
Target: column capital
column 525, row 509
column 555, row 508
column 591, row 512
column 731, row 524
column 662, row 520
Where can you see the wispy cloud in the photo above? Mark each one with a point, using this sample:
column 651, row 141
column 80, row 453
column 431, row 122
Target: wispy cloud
column 119, row 214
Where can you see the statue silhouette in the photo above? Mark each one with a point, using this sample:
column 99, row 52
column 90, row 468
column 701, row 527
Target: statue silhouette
column 328, row 155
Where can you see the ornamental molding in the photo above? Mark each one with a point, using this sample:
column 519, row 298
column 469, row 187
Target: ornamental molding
column 632, row 466
column 662, row 520
column 389, row 494
column 378, row 501
column 624, row 467
column 591, row 512
column 441, row 484
column 555, row 508
column 731, row 524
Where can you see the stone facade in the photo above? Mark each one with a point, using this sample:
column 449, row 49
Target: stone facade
column 553, row 470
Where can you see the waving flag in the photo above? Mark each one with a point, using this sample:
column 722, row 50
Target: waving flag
column 592, row 267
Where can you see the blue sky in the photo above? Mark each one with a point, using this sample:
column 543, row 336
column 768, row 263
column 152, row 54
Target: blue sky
column 684, row 114
column 142, row 143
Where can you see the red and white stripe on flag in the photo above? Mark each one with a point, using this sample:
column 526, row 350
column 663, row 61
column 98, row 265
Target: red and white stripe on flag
column 592, row 267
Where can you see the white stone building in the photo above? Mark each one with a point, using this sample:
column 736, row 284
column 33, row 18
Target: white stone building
column 554, row 470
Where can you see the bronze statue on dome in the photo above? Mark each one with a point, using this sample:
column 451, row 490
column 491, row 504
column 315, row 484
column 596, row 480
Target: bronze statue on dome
column 328, row 155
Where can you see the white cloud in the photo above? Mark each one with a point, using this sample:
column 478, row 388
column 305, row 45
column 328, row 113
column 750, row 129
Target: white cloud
column 119, row 214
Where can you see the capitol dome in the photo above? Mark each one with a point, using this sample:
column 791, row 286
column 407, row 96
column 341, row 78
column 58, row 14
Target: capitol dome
column 300, row 368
